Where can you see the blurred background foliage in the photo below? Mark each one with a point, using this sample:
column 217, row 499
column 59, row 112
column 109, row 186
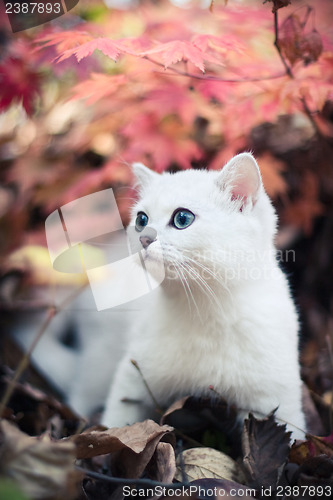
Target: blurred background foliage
column 176, row 88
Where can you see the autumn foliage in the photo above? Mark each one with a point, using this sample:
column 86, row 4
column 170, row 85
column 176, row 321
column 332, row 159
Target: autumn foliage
column 172, row 87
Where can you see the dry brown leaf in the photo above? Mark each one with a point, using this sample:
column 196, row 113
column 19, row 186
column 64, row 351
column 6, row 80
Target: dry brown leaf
column 320, row 445
column 164, row 463
column 34, row 408
column 311, row 47
column 146, row 435
column 299, row 453
column 136, row 438
column 177, row 405
column 198, row 463
column 265, row 448
column 290, row 36
column 43, row 469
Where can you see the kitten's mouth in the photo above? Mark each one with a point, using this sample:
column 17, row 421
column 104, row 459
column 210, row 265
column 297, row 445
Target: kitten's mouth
column 153, row 262
column 153, row 254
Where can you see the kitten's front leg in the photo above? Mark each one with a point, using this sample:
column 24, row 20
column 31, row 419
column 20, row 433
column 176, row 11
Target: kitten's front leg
column 128, row 399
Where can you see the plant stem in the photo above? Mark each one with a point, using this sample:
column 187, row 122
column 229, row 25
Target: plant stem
column 276, row 43
column 157, row 406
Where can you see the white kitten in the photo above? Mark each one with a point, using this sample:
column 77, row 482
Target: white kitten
column 223, row 316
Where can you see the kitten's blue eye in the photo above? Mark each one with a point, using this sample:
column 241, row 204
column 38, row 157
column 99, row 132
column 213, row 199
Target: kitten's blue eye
column 141, row 221
column 182, row 218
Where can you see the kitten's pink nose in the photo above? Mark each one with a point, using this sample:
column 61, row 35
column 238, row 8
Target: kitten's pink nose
column 146, row 241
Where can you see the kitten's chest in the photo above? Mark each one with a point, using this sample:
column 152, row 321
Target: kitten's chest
column 187, row 357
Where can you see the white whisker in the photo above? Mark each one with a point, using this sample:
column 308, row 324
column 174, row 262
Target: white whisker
column 190, row 291
column 203, row 285
column 211, row 273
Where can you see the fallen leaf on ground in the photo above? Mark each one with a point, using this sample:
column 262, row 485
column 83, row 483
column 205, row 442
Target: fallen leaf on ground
column 135, row 438
column 198, row 463
column 42, row 469
column 163, row 467
column 312, row 447
column 133, row 445
column 32, row 409
column 191, row 413
column 265, row 448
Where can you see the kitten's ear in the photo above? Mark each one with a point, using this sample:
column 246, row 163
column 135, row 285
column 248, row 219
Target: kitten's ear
column 241, row 177
column 143, row 175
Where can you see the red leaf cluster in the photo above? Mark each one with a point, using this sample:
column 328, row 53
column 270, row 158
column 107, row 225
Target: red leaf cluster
column 297, row 45
column 20, row 79
column 174, row 88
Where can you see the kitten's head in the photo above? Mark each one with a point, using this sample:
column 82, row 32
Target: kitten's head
column 203, row 225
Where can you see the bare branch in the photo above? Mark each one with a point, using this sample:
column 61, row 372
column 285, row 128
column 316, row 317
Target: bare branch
column 276, row 43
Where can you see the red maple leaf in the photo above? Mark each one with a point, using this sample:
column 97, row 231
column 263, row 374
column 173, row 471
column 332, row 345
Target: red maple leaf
column 162, row 143
column 169, row 98
column 111, row 48
column 18, row 82
column 218, row 43
column 178, row 50
column 64, row 40
column 98, row 87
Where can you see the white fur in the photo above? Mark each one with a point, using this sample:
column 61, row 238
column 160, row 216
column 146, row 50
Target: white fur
column 223, row 315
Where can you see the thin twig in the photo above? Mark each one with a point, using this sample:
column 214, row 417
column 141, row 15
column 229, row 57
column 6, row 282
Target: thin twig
column 212, row 78
column 276, row 43
column 157, row 406
column 181, row 461
column 25, row 360
column 310, row 114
